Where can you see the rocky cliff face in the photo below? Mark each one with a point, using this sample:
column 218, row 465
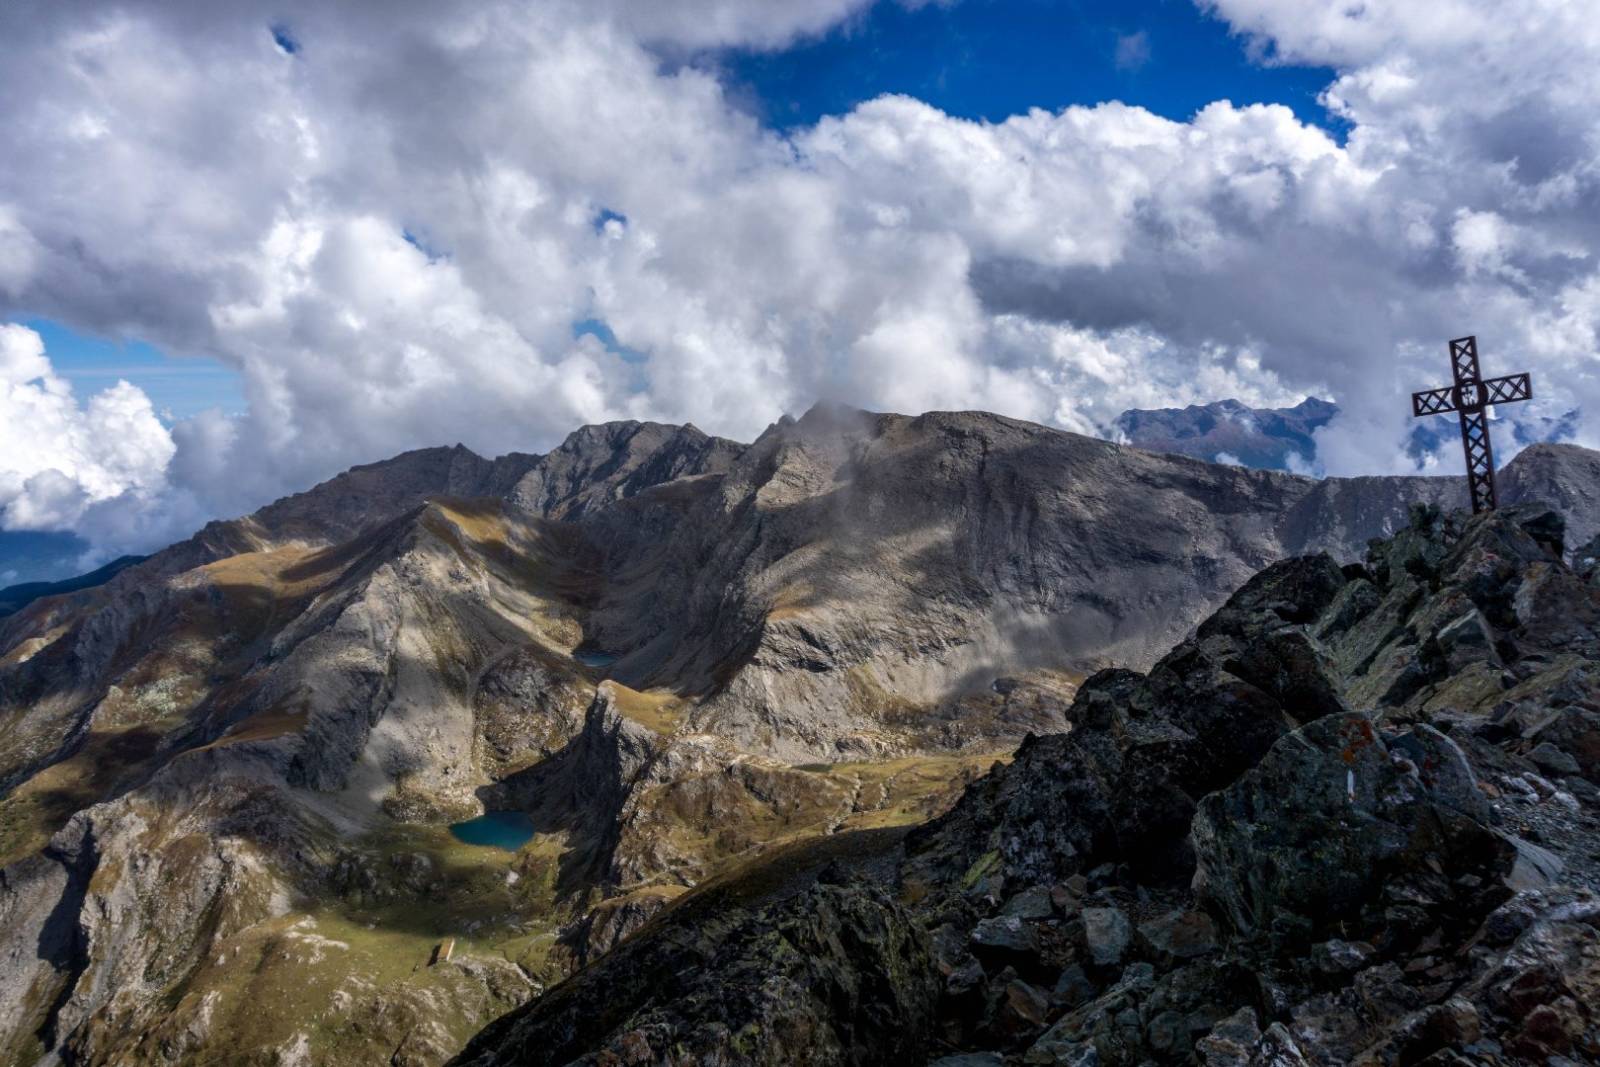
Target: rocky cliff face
column 226, row 775
column 1352, row 819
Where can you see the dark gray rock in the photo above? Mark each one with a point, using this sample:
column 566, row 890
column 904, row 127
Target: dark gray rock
column 1332, row 818
column 1178, row 935
column 1034, row 902
column 1106, row 934
column 1340, row 957
column 834, row 975
column 1005, row 935
column 1552, row 760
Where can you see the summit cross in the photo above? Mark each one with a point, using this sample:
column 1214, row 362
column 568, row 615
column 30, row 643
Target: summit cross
column 1470, row 397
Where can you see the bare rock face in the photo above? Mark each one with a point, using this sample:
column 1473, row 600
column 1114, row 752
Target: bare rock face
column 1563, row 477
column 853, row 573
column 227, row 775
column 601, row 464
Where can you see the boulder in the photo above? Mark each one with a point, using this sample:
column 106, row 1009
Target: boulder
column 1552, row 760
column 1106, row 934
column 1005, row 936
column 1231, row 1042
column 1178, row 935
column 1336, row 816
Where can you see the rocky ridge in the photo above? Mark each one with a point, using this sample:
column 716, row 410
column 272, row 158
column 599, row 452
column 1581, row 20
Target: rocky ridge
column 1352, row 820
column 225, row 775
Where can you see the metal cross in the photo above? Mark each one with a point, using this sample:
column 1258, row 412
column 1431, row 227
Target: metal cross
column 1471, row 396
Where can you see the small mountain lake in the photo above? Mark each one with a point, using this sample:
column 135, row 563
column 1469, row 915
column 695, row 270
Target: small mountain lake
column 593, row 657
column 509, row 830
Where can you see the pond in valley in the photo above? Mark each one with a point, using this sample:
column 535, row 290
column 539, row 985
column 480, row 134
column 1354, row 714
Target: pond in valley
column 509, row 830
column 593, row 657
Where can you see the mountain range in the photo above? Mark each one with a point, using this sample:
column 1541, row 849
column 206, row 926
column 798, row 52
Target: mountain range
column 1227, row 431
column 228, row 775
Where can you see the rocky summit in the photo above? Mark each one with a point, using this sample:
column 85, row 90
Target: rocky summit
column 753, row 712
column 1353, row 819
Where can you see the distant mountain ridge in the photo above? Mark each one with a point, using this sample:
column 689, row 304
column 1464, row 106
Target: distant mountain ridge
column 1227, row 431
column 16, row 597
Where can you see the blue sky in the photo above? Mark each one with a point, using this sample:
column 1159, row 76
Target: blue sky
column 976, row 59
column 987, row 59
column 178, row 388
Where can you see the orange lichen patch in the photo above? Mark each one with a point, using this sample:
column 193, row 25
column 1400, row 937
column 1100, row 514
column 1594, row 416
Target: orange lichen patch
column 1358, row 735
column 659, row 709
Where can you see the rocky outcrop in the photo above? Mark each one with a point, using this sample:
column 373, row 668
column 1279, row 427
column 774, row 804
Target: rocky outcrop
column 1336, row 812
column 837, row 974
column 1357, row 850
column 598, row 465
column 1563, row 477
column 1143, row 750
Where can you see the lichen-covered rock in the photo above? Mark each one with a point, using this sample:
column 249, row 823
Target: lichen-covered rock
column 1336, row 821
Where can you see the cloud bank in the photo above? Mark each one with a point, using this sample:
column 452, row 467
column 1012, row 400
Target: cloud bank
column 389, row 222
column 65, row 462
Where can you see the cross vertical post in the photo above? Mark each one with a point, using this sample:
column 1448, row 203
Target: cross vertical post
column 1470, row 398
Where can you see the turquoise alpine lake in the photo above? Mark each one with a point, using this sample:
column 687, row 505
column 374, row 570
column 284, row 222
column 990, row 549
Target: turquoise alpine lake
column 593, row 657
column 509, row 830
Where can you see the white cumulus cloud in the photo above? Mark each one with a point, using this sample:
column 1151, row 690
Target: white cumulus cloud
column 60, row 458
